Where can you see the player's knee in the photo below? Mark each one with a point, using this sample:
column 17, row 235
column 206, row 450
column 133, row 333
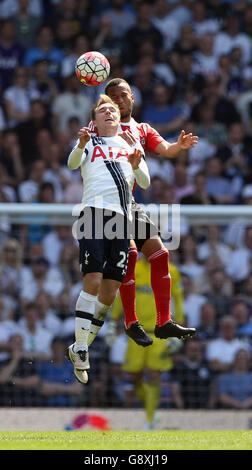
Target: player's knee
column 152, row 246
column 132, row 245
column 92, row 282
column 132, row 260
column 108, row 298
column 154, row 376
column 159, row 260
column 137, row 377
column 108, row 291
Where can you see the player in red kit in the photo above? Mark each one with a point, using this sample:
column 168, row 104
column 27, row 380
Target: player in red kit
column 151, row 245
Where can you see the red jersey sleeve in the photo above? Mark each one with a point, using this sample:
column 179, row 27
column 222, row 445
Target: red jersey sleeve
column 153, row 138
column 92, row 128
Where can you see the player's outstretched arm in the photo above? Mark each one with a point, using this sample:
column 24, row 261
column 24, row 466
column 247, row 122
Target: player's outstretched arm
column 140, row 169
column 76, row 156
column 184, row 142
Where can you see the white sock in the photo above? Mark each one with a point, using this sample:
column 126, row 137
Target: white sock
column 85, row 309
column 101, row 311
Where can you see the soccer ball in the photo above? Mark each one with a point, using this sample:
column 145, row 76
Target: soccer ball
column 92, row 68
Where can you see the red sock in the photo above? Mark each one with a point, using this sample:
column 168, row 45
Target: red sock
column 128, row 289
column 161, row 285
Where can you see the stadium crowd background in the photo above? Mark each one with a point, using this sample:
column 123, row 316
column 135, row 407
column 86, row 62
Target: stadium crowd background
column 190, row 66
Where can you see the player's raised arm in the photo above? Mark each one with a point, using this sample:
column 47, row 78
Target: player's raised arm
column 140, row 168
column 171, row 150
column 76, row 156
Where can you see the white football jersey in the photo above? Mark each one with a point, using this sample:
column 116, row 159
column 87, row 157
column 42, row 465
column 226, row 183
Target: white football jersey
column 108, row 177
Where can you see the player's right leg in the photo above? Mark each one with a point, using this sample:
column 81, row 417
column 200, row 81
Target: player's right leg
column 77, row 353
column 135, row 361
column 107, row 293
column 91, row 264
column 128, row 296
column 148, row 241
column 128, row 288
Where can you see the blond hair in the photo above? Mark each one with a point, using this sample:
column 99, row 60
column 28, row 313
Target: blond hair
column 103, row 100
column 16, row 245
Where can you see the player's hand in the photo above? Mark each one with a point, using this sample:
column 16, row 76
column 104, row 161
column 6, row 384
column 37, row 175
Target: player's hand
column 187, row 141
column 135, row 158
column 110, row 335
column 84, row 137
column 128, row 137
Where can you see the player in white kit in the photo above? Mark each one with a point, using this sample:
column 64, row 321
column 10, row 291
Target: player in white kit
column 109, row 168
column 146, row 235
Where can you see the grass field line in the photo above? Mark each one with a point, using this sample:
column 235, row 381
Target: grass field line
column 126, row 440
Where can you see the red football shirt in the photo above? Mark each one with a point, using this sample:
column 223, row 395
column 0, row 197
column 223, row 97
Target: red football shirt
column 149, row 137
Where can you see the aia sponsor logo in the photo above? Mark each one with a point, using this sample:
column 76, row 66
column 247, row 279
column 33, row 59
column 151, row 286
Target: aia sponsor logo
column 113, row 153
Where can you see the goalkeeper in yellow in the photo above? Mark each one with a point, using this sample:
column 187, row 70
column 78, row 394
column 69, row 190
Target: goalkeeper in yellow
column 154, row 359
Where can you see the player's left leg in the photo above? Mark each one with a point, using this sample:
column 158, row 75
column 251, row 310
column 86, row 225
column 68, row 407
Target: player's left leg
column 141, row 226
column 158, row 256
column 91, row 258
column 128, row 287
column 148, row 393
column 77, row 353
column 134, row 365
column 107, row 293
column 114, row 269
column 128, row 296
column 152, row 398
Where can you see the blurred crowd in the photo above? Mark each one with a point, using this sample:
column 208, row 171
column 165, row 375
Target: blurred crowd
column 189, row 64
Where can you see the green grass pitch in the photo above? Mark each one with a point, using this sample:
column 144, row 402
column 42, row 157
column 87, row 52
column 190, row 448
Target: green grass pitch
column 126, row 440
